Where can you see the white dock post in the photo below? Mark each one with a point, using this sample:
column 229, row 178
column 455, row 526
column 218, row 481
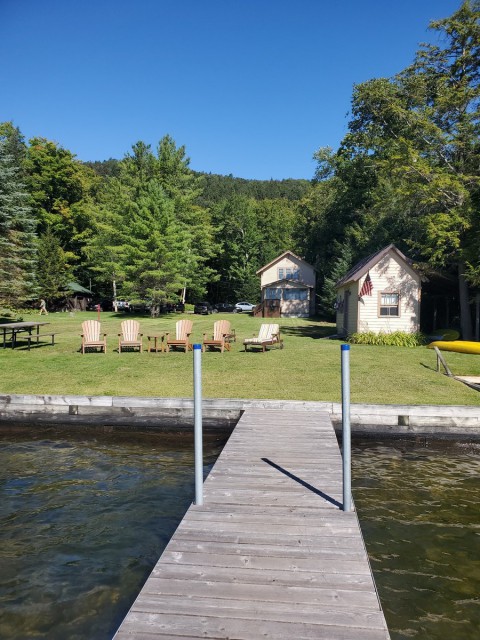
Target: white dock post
column 197, row 413
column 346, row 431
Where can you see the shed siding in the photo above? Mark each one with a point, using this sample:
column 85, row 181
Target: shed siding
column 389, row 275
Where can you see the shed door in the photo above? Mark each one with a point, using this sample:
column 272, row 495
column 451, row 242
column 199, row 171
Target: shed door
column 345, row 310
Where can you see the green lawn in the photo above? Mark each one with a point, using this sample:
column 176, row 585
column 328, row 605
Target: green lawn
column 308, row 368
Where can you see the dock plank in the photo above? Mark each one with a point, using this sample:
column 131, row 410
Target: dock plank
column 270, row 554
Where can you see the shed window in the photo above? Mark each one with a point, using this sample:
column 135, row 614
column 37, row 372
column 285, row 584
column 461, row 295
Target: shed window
column 295, row 294
column 389, row 304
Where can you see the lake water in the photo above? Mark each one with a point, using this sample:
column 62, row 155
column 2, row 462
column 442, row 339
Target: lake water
column 82, row 523
column 419, row 507
column 84, row 519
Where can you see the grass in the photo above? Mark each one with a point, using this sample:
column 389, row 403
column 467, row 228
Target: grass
column 308, row 368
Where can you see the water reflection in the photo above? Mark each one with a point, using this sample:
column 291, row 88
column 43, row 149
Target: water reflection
column 418, row 504
column 82, row 523
column 84, row 519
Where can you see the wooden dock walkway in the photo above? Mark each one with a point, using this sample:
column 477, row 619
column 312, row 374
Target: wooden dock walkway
column 270, row 554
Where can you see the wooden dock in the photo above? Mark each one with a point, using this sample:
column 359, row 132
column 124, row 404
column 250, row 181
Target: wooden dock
column 270, row 554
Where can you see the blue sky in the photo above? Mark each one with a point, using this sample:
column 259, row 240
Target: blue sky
column 250, row 87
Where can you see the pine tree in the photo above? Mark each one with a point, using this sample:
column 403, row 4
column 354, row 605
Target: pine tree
column 17, row 235
column 52, row 271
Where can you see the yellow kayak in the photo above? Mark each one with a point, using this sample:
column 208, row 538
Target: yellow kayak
column 459, row 346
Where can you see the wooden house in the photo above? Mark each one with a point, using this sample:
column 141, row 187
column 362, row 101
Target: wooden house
column 288, row 288
column 380, row 294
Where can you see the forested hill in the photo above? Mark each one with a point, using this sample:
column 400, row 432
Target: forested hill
column 217, row 188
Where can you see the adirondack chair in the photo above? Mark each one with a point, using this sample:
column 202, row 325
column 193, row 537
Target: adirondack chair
column 91, row 336
column 130, row 336
column 222, row 336
column 268, row 335
column 183, row 329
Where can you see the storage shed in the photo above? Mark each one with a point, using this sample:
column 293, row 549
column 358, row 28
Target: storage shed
column 288, row 287
column 380, row 294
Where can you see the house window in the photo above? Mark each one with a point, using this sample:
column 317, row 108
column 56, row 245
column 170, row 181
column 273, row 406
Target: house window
column 295, row 294
column 389, row 304
column 273, row 294
column 288, row 273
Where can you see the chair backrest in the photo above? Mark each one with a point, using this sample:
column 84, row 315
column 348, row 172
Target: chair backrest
column 183, row 328
column 91, row 330
column 220, row 328
column 267, row 331
column 130, row 330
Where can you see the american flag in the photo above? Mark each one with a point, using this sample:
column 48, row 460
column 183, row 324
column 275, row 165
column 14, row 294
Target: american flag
column 367, row 287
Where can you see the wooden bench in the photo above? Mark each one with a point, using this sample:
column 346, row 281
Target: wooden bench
column 37, row 339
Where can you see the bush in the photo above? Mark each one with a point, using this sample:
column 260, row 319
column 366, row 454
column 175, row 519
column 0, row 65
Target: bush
column 395, row 339
column 10, row 315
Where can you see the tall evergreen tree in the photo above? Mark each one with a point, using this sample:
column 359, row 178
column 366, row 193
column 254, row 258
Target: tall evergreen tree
column 53, row 272
column 17, row 234
column 150, row 234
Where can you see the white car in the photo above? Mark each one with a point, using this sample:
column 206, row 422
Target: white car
column 244, row 306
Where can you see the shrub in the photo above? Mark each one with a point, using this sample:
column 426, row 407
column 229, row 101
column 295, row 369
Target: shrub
column 395, row 339
column 10, row 315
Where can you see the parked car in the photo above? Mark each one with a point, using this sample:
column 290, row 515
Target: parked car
column 244, row 306
column 105, row 305
column 122, row 305
column 138, row 306
column 225, row 307
column 203, row 308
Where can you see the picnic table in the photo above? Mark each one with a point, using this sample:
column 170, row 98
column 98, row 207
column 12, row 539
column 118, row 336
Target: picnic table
column 14, row 328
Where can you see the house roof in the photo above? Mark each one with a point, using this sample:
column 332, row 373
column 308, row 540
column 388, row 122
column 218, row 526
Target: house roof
column 77, row 288
column 362, row 267
column 285, row 253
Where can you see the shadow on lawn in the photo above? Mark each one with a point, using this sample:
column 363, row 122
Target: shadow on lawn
column 315, row 332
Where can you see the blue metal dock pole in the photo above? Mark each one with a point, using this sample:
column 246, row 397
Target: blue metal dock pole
column 197, row 413
column 346, row 431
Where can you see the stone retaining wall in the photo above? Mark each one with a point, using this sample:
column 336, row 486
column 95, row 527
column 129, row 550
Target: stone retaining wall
column 110, row 412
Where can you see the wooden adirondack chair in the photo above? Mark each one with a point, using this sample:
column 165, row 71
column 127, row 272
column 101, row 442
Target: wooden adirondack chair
column 222, row 335
column 91, row 336
column 268, row 335
column 183, row 329
column 130, row 336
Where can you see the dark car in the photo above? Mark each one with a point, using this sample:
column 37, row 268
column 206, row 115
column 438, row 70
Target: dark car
column 203, row 308
column 105, row 305
column 224, row 307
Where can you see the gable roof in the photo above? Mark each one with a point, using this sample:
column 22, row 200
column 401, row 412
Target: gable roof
column 285, row 253
column 362, row 267
column 77, row 288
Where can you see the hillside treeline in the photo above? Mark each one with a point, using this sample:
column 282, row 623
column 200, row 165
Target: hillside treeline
column 148, row 227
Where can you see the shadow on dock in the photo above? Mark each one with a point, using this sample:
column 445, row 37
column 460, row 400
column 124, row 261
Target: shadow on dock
column 303, row 483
